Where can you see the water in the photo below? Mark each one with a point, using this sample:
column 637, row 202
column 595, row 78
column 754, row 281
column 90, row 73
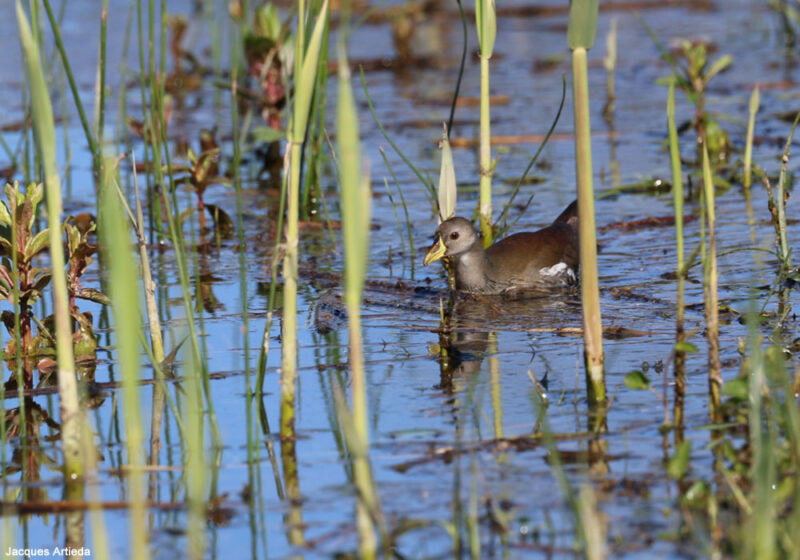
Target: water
column 436, row 434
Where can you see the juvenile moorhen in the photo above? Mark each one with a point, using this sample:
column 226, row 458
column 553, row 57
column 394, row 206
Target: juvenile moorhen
column 541, row 259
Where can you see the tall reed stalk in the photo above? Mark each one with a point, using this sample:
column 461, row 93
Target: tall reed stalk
column 677, row 204
column 356, row 201
column 486, row 24
column 305, row 69
column 44, row 132
column 195, row 462
column 306, row 57
column 125, row 305
column 580, row 37
column 710, row 293
column 755, row 102
column 761, row 538
column 783, row 239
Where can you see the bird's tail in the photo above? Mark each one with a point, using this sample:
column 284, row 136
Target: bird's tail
column 569, row 215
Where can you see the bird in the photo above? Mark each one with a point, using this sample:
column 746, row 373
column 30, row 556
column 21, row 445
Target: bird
column 541, row 259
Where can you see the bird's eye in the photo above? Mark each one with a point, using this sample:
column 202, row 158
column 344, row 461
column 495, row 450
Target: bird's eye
column 454, row 235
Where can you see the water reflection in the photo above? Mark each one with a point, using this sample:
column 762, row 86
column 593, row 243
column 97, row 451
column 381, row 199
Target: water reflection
column 471, row 323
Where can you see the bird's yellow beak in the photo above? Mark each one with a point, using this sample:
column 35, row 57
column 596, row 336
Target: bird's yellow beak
column 436, row 252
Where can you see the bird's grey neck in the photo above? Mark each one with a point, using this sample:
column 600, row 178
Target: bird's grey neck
column 471, row 269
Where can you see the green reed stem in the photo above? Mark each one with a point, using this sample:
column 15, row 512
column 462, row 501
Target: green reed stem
column 460, row 67
column 427, row 183
column 581, row 32
column 786, row 259
column 156, row 339
column 396, row 216
column 93, row 147
column 535, row 157
column 711, row 297
column 44, row 128
column 485, row 166
column 101, row 104
column 677, row 202
column 590, row 292
column 195, row 463
column 125, row 305
column 486, row 25
column 748, row 147
column 759, row 542
column 305, row 70
column 405, row 208
column 356, row 202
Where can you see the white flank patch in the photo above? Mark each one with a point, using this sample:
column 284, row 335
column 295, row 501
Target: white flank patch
column 555, row 270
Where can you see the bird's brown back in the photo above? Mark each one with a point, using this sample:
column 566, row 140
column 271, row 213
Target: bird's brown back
column 522, row 255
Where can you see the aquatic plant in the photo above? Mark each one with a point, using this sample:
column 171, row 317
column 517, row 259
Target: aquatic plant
column 21, row 283
column 692, row 70
column 356, row 201
column 580, row 37
column 486, row 24
column 44, row 126
column 679, row 358
column 710, row 296
column 203, row 171
column 448, row 190
column 305, row 70
column 755, row 101
column 125, row 306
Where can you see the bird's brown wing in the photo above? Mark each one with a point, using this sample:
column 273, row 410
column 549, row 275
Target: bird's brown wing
column 517, row 259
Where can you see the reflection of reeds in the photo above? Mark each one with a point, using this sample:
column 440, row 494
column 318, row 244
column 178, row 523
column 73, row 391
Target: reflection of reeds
column 580, row 36
column 677, row 202
column 610, row 63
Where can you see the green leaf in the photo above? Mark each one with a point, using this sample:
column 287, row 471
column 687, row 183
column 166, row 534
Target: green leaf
column 736, row 388
column 684, row 346
column 268, row 135
column 40, row 281
column 36, row 245
column 5, row 214
column 582, row 27
column 304, row 82
column 718, row 66
column 267, row 22
column 447, row 181
column 637, row 381
column 677, row 465
column 35, row 194
column 755, row 100
column 697, row 492
column 486, row 24
column 355, row 189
